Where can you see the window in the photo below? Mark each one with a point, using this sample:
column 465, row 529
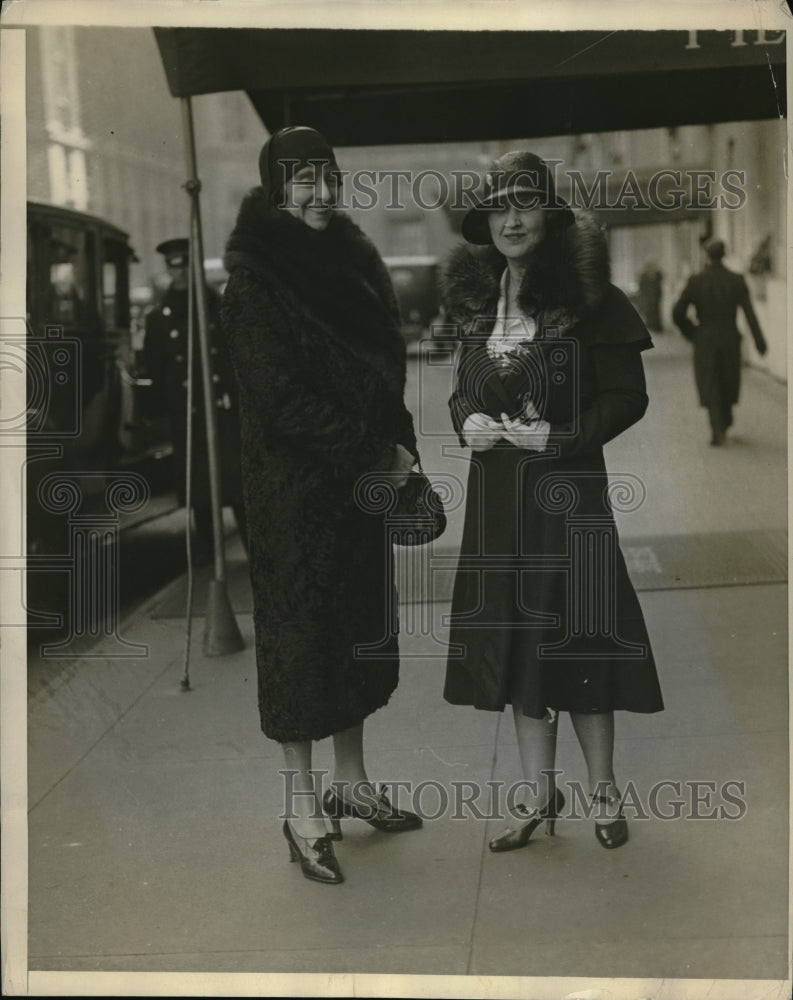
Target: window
column 109, row 284
column 115, row 294
column 67, row 265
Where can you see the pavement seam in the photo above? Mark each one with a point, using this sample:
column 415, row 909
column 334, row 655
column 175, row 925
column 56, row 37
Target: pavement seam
column 99, row 739
column 483, row 852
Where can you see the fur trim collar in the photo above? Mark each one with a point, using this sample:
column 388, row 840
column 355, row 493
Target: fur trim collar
column 336, row 275
column 564, row 287
column 265, row 238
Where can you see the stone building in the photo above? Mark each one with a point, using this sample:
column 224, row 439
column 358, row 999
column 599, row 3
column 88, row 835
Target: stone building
column 105, row 136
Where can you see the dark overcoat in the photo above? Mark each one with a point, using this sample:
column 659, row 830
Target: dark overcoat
column 544, row 614
column 650, row 285
column 165, row 352
column 313, row 332
column 716, row 294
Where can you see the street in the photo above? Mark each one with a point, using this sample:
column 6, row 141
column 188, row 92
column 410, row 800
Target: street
column 154, row 843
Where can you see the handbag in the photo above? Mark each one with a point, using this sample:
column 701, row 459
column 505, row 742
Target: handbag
column 419, row 516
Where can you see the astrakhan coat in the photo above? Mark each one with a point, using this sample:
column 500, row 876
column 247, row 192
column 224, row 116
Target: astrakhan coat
column 312, row 329
column 544, row 614
column 716, row 294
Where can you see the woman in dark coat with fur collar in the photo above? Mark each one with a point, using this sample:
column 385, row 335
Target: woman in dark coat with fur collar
column 544, row 616
column 313, row 333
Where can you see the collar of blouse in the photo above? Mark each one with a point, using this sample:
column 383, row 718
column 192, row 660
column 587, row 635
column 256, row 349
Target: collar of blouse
column 511, row 329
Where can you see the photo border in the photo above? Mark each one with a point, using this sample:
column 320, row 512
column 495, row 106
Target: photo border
column 385, row 14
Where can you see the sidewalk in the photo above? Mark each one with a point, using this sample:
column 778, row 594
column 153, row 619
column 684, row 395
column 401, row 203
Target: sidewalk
column 154, row 843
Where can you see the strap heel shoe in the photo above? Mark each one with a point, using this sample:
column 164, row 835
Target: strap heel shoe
column 377, row 812
column 317, row 859
column 511, row 839
column 615, row 833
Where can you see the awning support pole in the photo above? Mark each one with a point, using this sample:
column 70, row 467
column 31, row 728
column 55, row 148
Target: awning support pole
column 221, row 632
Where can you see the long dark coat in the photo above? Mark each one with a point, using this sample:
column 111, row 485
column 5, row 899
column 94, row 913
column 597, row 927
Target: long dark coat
column 544, row 614
column 313, row 332
column 650, row 284
column 716, row 294
column 164, row 359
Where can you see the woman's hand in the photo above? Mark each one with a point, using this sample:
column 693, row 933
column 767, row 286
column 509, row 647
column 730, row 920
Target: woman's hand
column 481, row 432
column 402, row 464
column 530, row 433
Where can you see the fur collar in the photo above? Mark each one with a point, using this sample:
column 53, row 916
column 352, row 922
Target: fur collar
column 567, row 284
column 336, row 276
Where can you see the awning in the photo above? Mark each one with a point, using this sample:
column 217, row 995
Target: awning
column 368, row 87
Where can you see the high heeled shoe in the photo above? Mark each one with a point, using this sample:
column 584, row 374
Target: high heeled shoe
column 512, row 839
column 317, row 858
column 615, row 833
column 381, row 814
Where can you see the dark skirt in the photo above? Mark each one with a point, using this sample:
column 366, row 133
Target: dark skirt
column 543, row 612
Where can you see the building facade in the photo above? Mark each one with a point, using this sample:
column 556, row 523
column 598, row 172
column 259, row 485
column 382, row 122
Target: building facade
column 105, row 136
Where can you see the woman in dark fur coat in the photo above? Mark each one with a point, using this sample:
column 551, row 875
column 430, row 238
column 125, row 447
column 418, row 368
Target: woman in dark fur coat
column 313, row 332
column 544, row 616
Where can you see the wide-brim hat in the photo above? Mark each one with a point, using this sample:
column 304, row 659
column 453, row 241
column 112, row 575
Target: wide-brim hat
column 517, row 178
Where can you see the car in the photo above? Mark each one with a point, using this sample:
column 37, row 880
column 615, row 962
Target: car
column 90, row 419
column 415, row 281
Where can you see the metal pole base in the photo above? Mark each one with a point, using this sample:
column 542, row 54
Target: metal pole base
column 221, row 632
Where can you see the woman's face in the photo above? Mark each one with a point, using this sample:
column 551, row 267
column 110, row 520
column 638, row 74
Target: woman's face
column 516, row 231
column 311, row 195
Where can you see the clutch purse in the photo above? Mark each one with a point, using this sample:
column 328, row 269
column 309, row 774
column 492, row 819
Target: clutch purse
column 419, row 516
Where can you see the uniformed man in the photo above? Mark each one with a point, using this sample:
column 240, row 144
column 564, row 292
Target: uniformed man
column 165, row 350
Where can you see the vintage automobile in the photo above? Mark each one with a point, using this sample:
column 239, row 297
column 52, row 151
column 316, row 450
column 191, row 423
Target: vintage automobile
column 415, row 283
column 89, row 416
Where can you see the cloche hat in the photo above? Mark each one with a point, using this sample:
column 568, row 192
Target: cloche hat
column 517, row 178
column 289, row 150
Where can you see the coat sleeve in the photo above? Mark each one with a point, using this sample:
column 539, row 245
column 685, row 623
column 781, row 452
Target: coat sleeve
column 745, row 302
column 461, row 403
column 406, row 435
column 680, row 312
column 259, row 336
column 154, row 362
column 380, row 278
column 620, row 401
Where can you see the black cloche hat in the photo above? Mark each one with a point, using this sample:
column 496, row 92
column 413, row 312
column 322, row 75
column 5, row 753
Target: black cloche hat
column 289, row 149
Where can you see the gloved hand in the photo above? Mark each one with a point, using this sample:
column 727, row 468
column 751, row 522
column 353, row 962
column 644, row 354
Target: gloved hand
column 481, row 432
column 530, row 432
